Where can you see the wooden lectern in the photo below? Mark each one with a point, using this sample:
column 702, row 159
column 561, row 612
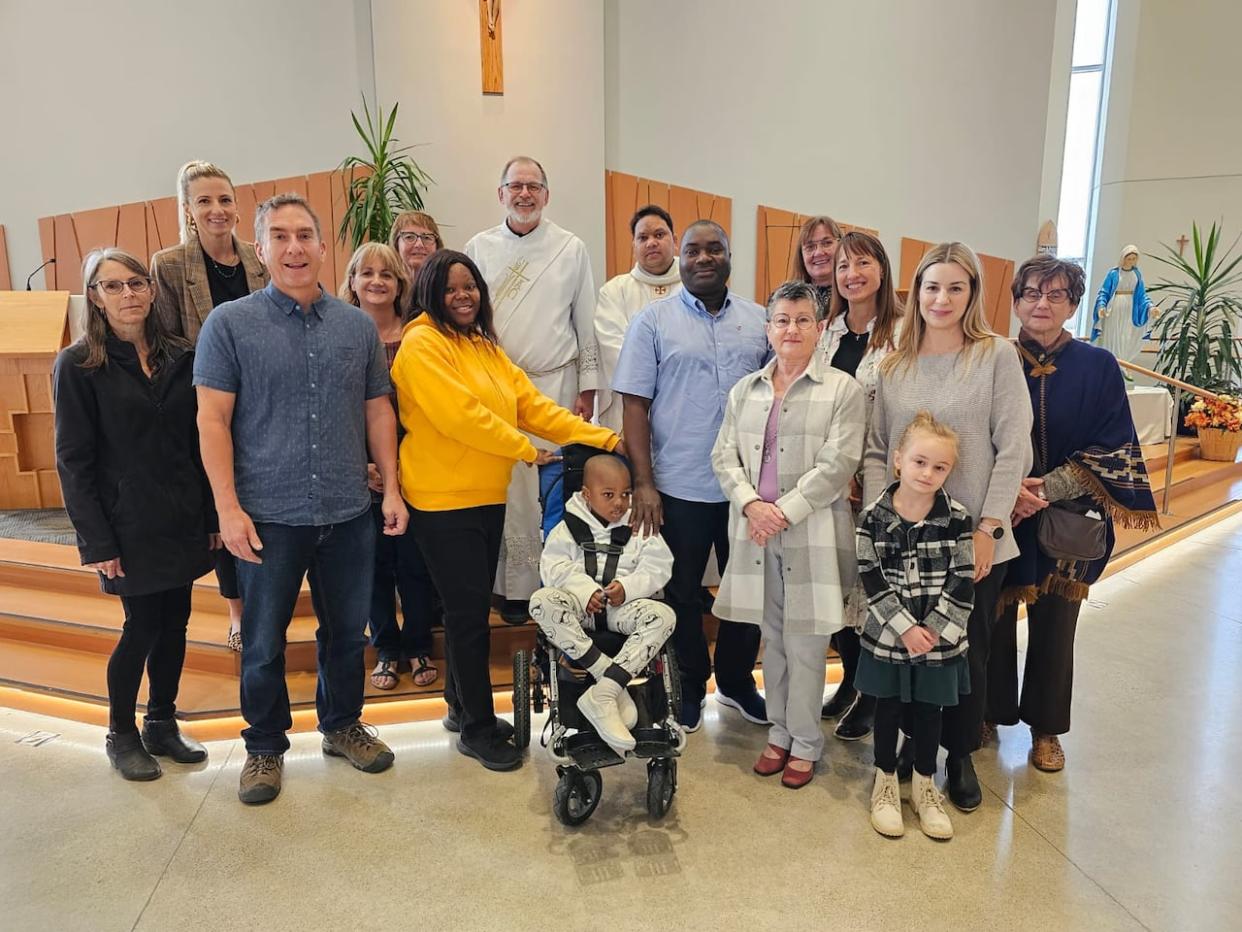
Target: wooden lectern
column 34, row 327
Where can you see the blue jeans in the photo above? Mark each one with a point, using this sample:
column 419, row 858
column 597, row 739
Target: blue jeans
column 552, row 495
column 338, row 558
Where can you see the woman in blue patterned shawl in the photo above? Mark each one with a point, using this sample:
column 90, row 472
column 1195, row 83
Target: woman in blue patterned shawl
column 1085, row 449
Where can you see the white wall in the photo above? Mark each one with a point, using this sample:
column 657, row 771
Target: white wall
column 101, row 103
column 1173, row 144
column 919, row 119
column 427, row 56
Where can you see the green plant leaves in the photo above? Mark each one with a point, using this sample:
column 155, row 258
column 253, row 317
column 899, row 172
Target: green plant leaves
column 381, row 184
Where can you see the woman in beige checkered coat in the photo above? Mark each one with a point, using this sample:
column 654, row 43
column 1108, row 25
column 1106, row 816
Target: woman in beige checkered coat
column 791, row 440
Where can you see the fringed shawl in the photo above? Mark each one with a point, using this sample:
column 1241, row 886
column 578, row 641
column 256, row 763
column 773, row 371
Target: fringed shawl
column 1082, row 419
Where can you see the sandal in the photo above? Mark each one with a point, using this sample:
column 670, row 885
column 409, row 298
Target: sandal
column 234, row 640
column 384, row 676
column 424, row 672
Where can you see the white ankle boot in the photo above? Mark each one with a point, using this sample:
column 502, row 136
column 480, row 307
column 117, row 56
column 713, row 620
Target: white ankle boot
column 600, row 706
column 929, row 805
column 886, row 805
column 629, row 711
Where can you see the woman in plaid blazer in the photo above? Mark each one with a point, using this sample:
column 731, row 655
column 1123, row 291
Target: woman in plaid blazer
column 791, row 440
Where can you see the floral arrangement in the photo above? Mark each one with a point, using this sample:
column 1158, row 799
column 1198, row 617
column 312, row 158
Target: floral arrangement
column 1223, row 414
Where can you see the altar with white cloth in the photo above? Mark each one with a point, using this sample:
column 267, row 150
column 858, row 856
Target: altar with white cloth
column 1152, row 408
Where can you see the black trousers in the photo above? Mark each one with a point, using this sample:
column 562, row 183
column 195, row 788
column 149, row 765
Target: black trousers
column 690, row 530
column 154, row 637
column 923, row 722
column 963, row 723
column 462, row 547
column 848, row 648
column 400, row 570
column 1048, row 683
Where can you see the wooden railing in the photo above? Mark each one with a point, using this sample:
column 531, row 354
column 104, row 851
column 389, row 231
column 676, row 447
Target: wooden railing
column 1178, row 387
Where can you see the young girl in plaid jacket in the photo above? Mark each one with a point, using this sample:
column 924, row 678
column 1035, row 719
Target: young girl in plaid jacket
column 916, row 560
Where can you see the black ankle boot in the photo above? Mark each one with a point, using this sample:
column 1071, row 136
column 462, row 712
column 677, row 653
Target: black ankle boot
column 905, row 759
column 858, row 722
column 130, row 757
column 963, row 783
column 839, row 702
column 166, row 740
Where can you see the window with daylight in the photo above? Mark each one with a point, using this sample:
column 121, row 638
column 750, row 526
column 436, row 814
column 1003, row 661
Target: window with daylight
column 1080, row 164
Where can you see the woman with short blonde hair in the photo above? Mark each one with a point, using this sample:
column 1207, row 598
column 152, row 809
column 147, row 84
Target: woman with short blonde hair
column 814, row 254
column 415, row 235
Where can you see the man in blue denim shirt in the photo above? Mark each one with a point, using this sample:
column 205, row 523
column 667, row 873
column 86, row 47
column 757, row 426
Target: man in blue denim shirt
column 292, row 393
column 680, row 358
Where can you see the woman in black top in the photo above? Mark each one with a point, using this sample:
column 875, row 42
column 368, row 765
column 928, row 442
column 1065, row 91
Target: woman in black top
column 207, row 268
column 134, row 486
column 862, row 328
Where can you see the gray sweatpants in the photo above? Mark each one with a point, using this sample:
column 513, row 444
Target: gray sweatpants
column 794, row 666
column 564, row 621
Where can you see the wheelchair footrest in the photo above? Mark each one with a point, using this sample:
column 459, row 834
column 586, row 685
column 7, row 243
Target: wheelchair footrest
column 653, row 742
column 591, row 752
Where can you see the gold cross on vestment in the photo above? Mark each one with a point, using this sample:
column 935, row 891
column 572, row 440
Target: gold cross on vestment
column 515, row 277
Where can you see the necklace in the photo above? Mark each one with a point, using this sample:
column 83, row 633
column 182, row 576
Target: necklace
column 224, row 271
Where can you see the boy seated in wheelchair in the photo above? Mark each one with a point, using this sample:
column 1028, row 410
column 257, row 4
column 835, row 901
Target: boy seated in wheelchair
column 598, row 575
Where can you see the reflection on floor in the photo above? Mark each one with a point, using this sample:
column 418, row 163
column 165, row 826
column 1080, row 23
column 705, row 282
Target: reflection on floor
column 1139, row 831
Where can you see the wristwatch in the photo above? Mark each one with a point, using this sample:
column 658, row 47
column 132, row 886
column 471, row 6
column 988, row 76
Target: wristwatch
column 996, row 532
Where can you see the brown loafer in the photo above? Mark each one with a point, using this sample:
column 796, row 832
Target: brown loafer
column 767, row 766
column 1046, row 753
column 796, row 779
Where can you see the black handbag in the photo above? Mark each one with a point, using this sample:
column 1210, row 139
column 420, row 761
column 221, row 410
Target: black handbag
column 1065, row 531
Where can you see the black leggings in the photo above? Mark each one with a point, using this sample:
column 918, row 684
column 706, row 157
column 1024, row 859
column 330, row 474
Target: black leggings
column 226, row 574
column 924, row 719
column 154, row 636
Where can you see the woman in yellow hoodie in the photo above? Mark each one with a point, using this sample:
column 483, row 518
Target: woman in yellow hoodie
column 464, row 405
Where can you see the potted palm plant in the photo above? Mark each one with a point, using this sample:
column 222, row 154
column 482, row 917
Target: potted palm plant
column 1196, row 328
column 381, row 184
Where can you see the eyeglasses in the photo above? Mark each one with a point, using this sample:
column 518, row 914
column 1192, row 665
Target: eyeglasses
column 517, row 187
column 782, row 322
column 813, row 244
column 113, row 287
column 1055, row 296
column 427, row 239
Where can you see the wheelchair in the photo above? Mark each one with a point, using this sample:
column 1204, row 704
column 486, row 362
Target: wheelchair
column 548, row 678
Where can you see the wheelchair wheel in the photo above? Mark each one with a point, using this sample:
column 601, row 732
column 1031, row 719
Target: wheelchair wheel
column 521, row 699
column 674, row 679
column 577, row 794
column 661, row 785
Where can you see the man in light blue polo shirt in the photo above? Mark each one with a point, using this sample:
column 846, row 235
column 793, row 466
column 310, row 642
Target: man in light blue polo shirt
column 292, row 396
column 680, row 358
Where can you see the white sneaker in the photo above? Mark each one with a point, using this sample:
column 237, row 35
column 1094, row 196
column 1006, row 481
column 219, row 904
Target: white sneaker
column 599, row 705
column 927, row 802
column 886, row 805
column 629, row 711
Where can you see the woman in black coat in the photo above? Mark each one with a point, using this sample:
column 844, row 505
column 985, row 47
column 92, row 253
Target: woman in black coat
column 133, row 483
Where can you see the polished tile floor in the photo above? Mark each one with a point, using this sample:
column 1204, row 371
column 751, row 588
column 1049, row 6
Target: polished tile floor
column 1142, row 830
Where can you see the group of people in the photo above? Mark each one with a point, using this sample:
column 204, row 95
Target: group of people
column 870, row 477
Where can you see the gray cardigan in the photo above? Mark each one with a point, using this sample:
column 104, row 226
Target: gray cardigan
column 983, row 398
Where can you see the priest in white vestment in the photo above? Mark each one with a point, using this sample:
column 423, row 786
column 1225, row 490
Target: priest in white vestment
column 655, row 275
column 543, row 297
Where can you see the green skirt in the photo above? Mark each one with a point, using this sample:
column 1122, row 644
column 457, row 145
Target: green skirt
column 940, row 684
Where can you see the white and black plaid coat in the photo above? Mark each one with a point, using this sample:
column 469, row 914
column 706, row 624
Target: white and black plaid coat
column 820, row 440
column 919, row 573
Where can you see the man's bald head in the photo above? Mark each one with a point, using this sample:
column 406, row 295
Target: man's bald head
column 701, row 226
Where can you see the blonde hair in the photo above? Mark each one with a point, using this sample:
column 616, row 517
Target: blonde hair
column 187, row 174
column 975, row 329
column 414, row 218
column 368, row 252
column 925, row 423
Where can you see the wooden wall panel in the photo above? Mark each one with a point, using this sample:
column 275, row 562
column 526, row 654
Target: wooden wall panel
column 776, row 237
column 145, row 227
column 997, row 280
column 624, row 194
column 6, row 277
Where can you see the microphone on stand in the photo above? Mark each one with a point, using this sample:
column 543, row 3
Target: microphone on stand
column 37, row 271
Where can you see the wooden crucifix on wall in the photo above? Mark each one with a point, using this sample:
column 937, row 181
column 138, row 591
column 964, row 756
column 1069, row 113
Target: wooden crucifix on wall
column 490, row 48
